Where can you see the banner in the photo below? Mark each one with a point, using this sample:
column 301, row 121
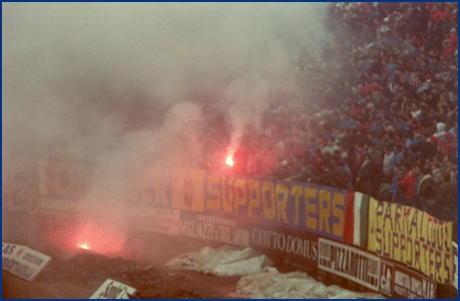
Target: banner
column 411, row 237
column 112, row 289
column 64, row 179
column 158, row 220
column 349, row 262
column 292, row 247
column 23, row 261
column 316, row 209
column 357, row 210
column 399, row 282
column 213, row 228
column 52, row 205
column 19, row 189
column 455, row 265
column 174, row 188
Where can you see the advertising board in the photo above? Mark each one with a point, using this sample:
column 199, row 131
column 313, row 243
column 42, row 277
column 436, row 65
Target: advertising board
column 397, row 281
column 18, row 190
column 61, row 178
column 23, row 261
column 295, row 248
column 349, row 262
column 52, row 205
column 213, row 228
column 292, row 247
column 112, row 289
column 157, row 220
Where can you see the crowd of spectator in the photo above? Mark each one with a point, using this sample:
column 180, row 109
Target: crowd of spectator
column 385, row 123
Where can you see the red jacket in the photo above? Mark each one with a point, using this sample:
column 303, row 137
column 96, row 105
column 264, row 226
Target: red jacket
column 409, row 182
column 436, row 16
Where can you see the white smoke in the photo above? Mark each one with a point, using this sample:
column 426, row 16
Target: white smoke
column 117, row 83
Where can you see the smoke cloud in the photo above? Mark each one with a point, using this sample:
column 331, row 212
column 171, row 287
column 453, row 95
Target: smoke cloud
column 126, row 85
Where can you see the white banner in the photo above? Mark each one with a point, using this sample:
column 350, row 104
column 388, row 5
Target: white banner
column 158, row 220
column 112, row 289
column 23, row 261
column 349, row 263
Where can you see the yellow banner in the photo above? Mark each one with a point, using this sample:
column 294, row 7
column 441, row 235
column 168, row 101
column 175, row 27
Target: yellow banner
column 412, row 237
column 187, row 190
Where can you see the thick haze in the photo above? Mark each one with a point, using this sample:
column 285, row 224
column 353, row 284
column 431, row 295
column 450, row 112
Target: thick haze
column 117, row 83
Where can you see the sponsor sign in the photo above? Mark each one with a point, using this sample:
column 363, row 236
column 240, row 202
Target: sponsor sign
column 295, row 248
column 23, row 261
column 455, row 265
column 316, row 209
column 410, row 236
column 58, row 205
column 349, row 262
column 397, row 281
column 112, row 289
column 18, row 187
column 159, row 220
column 178, row 189
column 213, row 228
column 64, row 179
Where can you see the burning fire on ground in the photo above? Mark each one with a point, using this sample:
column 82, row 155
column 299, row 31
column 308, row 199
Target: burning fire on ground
column 89, row 236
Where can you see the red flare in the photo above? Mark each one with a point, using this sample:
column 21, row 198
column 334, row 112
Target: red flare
column 84, row 246
column 229, row 161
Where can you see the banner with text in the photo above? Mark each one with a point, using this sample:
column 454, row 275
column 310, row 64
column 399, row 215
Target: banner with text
column 292, row 247
column 112, row 289
column 295, row 248
column 158, row 220
column 411, row 237
column 397, row 281
column 455, row 265
column 23, row 261
column 317, row 209
column 349, row 262
column 64, row 179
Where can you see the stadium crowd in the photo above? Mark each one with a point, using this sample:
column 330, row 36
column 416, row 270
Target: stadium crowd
column 385, row 122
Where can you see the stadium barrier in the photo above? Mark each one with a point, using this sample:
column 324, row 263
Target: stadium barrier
column 336, row 235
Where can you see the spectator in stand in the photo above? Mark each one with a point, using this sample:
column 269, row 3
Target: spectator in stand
column 331, row 146
column 409, row 184
column 435, row 15
column 282, row 171
column 446, row 206
column 389, row 154
column 336, row 175
column 398, row 174
column 396, row 159
column 427, row 189
column 365, row 182
column 393, row 82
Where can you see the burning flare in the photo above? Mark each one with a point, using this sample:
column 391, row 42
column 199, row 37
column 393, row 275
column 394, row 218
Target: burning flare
column 84, row 246
column 230, row 152
column 229, row 161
